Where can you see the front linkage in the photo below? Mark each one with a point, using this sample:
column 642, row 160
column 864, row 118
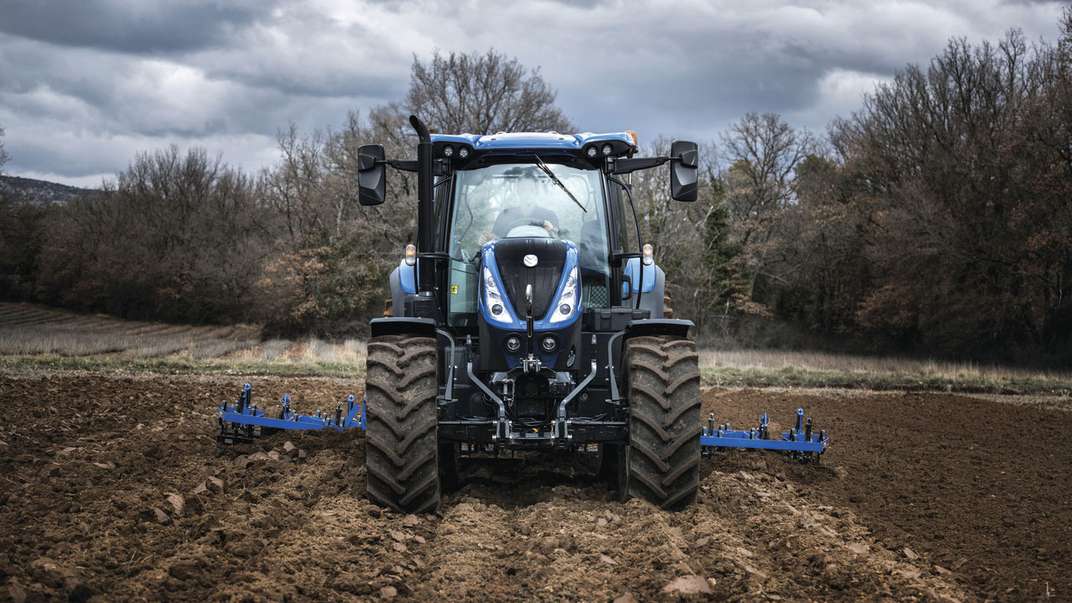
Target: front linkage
column 243, row 421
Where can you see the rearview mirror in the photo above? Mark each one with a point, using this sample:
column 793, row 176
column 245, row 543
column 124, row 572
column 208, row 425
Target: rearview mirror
column 684, row 163
column 371, row 174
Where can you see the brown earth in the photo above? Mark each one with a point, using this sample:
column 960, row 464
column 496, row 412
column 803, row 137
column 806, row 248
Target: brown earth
column 113, row 488
column 980, row 487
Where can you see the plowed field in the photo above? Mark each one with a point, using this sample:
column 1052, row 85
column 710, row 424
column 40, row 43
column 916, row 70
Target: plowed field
column 113, row 487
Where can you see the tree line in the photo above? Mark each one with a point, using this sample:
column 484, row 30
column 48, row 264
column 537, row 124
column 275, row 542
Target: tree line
column 936, row 218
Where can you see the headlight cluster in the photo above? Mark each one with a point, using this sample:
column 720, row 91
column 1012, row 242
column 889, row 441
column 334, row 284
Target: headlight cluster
column 595, row 150
column 568, row 301
column 493, row 299
column 463, row 152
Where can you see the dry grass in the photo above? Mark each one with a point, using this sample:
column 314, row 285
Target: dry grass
column 311, row 351
column 819, row 369
column 35, row 337
column 771, row 359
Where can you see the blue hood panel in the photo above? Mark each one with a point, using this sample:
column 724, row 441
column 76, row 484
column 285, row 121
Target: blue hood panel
column 512, row 320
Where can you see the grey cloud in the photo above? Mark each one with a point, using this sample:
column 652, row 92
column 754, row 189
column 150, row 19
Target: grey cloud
column 228, row 76
column 302, row 52
column 137, row 27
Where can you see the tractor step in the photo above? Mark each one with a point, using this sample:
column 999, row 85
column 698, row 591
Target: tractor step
column 243, row 421
column 800, row 442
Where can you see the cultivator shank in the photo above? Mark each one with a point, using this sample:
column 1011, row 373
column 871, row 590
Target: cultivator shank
column 243, row 421
column 800, row 442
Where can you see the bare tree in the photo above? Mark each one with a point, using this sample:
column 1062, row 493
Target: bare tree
column 482, row 94
column 764, row 152
column 4, row 157
column 176, row 236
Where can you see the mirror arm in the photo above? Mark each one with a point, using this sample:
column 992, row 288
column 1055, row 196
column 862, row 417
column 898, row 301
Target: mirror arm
column 402, row 165
column 632, row 164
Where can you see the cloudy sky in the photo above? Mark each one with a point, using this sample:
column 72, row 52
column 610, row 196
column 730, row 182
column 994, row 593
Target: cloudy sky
column 85, row 84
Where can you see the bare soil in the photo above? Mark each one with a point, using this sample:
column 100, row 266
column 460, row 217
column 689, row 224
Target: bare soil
column 112, row 488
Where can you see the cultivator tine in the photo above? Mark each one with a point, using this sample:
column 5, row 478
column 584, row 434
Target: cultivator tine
column 284, row 406
column 798, row 442
column 243, row 421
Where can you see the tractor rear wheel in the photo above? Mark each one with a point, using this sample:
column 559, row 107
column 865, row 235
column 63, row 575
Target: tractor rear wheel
column 401, row 449
column 664, row 420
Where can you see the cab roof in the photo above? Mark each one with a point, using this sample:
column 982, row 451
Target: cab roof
column 586, row 150
column 532, row 140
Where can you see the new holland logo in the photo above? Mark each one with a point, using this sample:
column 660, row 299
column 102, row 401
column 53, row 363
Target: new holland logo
column 531, row 260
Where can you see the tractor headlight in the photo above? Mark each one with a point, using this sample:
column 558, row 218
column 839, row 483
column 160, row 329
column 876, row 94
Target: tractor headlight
column 513, row 344
column 607, row 149
column 592, row 152
column 548, row 344
column 567, row 302
column 493, row 300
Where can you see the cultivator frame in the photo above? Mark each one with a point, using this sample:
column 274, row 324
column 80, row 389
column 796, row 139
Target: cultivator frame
column 799, row 442
column 243, row 421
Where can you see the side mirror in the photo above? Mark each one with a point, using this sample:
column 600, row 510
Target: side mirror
column 684, row 164
column 371, row 174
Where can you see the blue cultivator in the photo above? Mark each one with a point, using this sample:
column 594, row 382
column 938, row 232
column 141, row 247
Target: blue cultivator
column 243, row 421
column 799, row 442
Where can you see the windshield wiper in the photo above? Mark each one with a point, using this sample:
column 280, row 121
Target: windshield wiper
column 543, row 166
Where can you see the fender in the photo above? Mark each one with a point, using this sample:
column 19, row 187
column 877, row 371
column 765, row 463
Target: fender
column 654, row 287
column 421, row 327
column 403, row 282
column 658, row 326
column 671, row 327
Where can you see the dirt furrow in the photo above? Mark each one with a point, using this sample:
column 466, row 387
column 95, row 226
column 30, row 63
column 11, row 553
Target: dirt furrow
column 474, row 552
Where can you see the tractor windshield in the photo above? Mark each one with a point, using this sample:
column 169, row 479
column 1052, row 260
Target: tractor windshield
column 523, row 200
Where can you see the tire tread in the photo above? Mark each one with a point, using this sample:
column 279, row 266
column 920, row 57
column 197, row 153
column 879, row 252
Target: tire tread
column 664, row 425
column 401, row 447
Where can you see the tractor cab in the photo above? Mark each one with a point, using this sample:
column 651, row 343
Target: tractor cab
column 498, row 207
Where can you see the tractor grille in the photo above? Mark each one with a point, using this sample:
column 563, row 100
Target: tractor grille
column 595, row 295
column 544, row 277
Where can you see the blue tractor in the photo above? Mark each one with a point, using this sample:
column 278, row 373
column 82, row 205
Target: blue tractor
column 527, row 316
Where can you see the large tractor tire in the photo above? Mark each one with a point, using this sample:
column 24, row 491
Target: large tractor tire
column 664, row 420
column 401, row 450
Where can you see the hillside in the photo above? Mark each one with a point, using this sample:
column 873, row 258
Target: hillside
column 40, row 191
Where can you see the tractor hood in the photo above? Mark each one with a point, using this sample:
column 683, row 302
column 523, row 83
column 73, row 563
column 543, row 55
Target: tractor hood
column 548, row 265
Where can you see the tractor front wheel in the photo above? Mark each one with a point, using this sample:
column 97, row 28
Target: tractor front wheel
column 664, row 420
column 401, row 451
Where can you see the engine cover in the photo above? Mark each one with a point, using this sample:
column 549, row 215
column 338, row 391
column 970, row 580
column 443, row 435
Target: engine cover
column 517, row 263
column 543, row 275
